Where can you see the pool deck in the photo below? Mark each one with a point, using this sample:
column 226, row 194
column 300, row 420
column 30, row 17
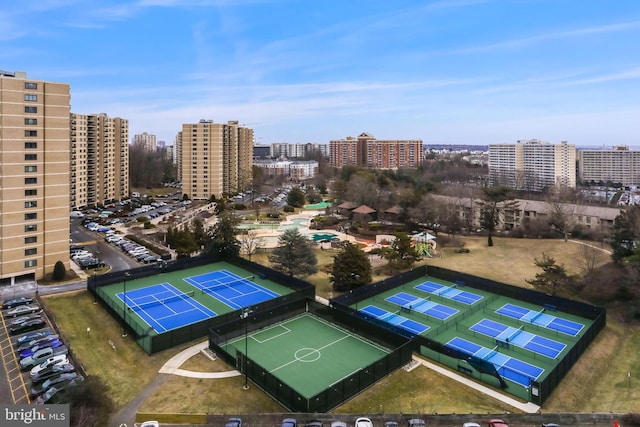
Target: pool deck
column 271, row 236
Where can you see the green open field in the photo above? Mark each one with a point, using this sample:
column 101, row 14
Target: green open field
column 610, row 367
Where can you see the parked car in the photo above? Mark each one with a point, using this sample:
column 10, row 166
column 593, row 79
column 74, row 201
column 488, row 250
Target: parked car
column 27, row 326
column 150, row 424
column 289, row 422
column 390, row 424
column 416, row 422
column 234, row 422
column 496, row 422
column 19, row 320
column 40, row 356
column 54, row 393
column 22, row 310
column 51, row 381
column 31, row 336
column 363, row 422
column 54, row 360
column 314, row 423
column 31, row 351
column 550, row 425
column 16, row 302
column 51, row 371
column 470, row 425
column 340, row 424
column 36, row 341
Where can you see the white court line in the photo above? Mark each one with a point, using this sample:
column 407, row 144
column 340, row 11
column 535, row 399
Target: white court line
column 286, row 331
column 317, row 349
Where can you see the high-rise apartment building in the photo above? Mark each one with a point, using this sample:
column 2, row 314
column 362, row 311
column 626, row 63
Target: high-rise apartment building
column 34, row 177
column 146, row 140
column 369, row 152
column 215, row 158
column 619, row 165
column 532, row 165
column 99, row 159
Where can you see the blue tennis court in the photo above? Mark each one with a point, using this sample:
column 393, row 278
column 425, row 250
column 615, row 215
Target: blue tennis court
column 450, row 292
column 395, row 319
column 541, row 318
column 235, row 291
column 519, row 337
column 508, row 367
column 421, row 305
column 164, row 307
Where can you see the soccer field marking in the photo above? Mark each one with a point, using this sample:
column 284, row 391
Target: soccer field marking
column 284, row 328
column 318, row 350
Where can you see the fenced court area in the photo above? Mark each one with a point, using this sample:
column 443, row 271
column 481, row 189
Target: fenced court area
column 512, row 343
column 307, row 353
column 185, row 302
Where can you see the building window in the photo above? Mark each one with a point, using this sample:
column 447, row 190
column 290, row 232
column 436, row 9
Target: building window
column 32, row 239
column 31, row 263
column 30, row 216
column 30, row 192
column 30, row 109
column 30, row 97
column 30, row 145
column 31, row 180
column 28, row 157
column 32, row 227
column 29, row 133
column 30, row 85
column 30, row 122
column 31, row 204
column 31, row 251
column 31, row 169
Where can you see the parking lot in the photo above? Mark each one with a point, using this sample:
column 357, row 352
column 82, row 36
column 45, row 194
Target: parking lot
column 36, row 360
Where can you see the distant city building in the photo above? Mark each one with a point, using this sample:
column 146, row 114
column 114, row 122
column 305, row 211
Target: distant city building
column 532, row 165
column 366, row 151
column 295, row 170
column 261, row 151
column 34, row 189
column 298, row 151
column 214, row 158
column 619, row 165
column 145, row 140
column 99, row 160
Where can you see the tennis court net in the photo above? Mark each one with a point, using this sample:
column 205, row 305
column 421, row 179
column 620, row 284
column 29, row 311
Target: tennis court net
column 162, row 301
column 222, row 286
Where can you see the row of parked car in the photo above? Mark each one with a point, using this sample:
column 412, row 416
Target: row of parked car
column 84, row 258
column 135, row 250
column 39, row 351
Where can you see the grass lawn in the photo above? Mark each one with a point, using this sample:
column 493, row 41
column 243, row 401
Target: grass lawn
column 127, row 369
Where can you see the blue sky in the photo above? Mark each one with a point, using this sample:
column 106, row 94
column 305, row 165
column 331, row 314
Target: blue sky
column 444, row 71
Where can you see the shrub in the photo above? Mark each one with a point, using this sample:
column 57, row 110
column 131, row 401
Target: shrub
column 59, row 271
column 289, row 208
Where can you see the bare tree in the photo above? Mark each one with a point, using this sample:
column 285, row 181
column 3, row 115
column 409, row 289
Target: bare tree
column 561, row 211
column 250, row 243
column 588, row 260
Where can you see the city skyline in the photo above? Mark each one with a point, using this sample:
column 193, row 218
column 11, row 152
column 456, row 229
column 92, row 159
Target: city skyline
column 446, row 72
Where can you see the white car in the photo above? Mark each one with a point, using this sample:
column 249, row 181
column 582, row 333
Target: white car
column 470, row 425
column 22, row 310
column 363, row 422
column 53, row 360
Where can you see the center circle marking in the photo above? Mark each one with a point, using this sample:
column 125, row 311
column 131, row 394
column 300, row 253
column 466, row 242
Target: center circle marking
column 307, row 355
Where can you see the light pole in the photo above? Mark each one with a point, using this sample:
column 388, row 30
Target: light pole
column 245, row 315
column 95, row 287
column 124, row 304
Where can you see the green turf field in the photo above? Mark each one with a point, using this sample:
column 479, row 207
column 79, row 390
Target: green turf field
column 307, row 353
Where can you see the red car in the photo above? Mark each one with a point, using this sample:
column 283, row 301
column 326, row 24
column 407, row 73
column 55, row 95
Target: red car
column 497, row 423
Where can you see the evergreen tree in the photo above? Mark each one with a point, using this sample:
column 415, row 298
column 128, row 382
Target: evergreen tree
column 401, row 254
column 224, row 242
column 296, row 197
column 59, row 271
column 293, row 255
column 351, row 268
column 552, row 275
column 626, row 233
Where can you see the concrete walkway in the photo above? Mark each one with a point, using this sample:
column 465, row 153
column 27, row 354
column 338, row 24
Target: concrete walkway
column 172, row 366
